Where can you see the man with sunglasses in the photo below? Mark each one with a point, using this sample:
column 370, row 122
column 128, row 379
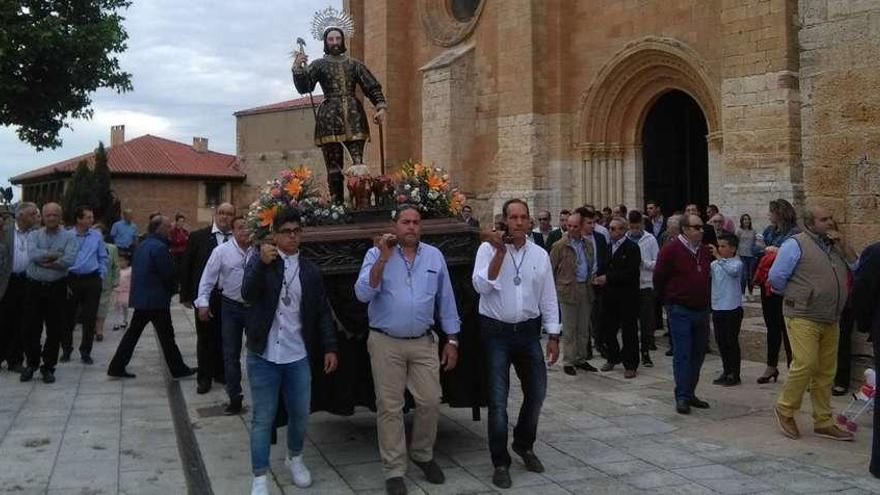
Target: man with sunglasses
column 681, row 278
column 289, row 331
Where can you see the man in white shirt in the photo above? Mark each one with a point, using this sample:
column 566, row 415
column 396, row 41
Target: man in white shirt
column 14, row 278
column 224, row 271
column 649, row 249
column 517, row 297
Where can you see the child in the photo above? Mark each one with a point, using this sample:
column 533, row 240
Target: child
column 120, row 292
column 727, row 312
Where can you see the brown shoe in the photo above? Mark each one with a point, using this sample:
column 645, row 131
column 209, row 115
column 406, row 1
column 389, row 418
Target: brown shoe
column 834, row 433
column 629, row 373
column 787, row 425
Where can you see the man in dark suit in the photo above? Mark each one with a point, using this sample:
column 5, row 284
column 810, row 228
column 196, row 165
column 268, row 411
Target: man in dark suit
column 866, row 309
column 13, row 281
column 556, row 233
column 467, row 214
column 290, row 339
column 152, row 278
column 620, row 303
column 209, row 342
column 655, row 222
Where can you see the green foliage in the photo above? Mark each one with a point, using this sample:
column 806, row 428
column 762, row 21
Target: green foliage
column 53, row 55
column 105, row 210
column 80, row 192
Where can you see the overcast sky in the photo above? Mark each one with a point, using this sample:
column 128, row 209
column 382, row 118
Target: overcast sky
column 193, row 65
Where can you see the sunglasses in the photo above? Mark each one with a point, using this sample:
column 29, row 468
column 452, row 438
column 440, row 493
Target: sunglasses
column 293, row 231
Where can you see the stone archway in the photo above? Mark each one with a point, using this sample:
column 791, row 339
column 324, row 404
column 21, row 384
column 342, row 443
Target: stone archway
column 615, row 106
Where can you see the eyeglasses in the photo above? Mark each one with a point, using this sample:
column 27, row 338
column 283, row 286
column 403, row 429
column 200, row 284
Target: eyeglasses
column 543, row 219
column 695, row 227
column 293, row 231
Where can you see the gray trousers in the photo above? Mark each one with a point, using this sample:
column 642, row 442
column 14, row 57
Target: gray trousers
column 576, row 325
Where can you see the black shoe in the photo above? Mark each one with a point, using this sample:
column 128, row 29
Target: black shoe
column 669, row 352
column 698, row 403
column 234, row 407
column 27, row 375
column 682, row 407
column 87, row 360
column 395, row 486
column 608, row 366
column 732, row 381
column 432, row 471
column 721, row 380
column 120, row 374
column 48, row 376
column 184, row 374
column 65, row 356
column 501, row 477
column 569, row 370
column 586, row 367
column 203, row 387
column 531, row 461
column 646, row 360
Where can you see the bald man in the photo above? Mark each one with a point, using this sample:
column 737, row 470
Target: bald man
column 811, row 271
column 51, row 252
column 209, row 341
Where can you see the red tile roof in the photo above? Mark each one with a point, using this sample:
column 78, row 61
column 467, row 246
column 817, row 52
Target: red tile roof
column 282, row 105
column 148, row 156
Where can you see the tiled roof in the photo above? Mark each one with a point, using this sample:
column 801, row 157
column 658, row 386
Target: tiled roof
column 282, row 105
column 148, row 156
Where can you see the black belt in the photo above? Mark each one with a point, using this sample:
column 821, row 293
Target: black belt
column 84, row 275
column 18, row 276
column 383, row 332
column 47, row 284
column 234, row 302
column 533, row 324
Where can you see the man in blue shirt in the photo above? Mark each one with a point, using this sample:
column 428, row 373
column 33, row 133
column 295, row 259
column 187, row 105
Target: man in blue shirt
column 124, row 232
column 84, row 281
column 51, row 251
column 405, row 281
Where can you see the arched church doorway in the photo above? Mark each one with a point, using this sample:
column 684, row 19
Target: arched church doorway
column 675, row 152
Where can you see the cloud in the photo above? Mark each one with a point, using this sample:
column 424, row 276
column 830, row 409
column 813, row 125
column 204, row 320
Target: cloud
column 193, row 64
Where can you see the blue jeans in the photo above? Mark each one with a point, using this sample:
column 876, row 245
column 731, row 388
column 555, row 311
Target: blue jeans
column 268, row 380
column 232, row 328
column 522, row 348
column 690, row 336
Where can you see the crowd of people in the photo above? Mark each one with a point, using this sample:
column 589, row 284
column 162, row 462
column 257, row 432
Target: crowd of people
column 599, row 284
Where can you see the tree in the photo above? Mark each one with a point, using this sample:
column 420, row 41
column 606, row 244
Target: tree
column 80, row 192
column 53, row 55
column 103, row 192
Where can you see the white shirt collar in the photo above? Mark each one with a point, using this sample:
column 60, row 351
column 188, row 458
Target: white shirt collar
column 286, row 257
column 215, row 229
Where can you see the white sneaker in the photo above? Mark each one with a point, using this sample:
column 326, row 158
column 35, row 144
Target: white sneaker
column 259, row 486
column 300, row 473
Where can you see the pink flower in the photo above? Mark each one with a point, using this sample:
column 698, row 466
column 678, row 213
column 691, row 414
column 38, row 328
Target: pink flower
column 276, row 193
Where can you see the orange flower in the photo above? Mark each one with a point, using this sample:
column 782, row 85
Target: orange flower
column 418, row 168
column 435, row 182
column 302, row 173
column 266, row 217
column 294, row 187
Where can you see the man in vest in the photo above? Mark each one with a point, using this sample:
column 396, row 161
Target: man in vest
column 811, row 271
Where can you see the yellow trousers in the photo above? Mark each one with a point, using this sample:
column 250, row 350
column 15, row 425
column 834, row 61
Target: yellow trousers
column 814, row 363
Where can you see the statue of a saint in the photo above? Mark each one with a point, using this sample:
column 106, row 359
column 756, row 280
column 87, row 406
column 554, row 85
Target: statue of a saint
column 340, row 119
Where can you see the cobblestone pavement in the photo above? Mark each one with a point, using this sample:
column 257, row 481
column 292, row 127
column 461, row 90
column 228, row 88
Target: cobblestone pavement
column 599, row 434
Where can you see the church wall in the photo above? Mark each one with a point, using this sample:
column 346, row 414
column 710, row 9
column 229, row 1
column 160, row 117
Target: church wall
column 840, row 86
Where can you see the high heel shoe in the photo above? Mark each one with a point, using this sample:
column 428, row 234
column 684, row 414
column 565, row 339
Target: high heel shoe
column 765, row 378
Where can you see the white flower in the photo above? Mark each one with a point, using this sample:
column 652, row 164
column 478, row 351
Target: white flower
column 335, row 216
column 433, row 194
column 407, row 187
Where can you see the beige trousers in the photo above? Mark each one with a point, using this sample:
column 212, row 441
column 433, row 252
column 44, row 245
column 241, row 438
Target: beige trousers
column 400, row 365
column 576, row 323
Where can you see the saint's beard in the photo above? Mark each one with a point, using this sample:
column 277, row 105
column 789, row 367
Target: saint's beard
column 335, row 50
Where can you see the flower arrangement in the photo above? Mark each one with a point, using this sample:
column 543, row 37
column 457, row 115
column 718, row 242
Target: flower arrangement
column 295, row 188
column 428, row 189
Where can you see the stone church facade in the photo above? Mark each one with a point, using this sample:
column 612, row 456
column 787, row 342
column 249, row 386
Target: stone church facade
column 564, row 102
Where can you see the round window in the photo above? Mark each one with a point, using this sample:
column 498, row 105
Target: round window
column 464, row 10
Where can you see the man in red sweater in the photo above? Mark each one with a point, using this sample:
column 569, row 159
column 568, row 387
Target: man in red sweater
column 681, row 278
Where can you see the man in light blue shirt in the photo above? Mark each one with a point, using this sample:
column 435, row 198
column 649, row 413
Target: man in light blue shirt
column 51, row 251
column 124, row 232
column 84, row 282
column 405, row 283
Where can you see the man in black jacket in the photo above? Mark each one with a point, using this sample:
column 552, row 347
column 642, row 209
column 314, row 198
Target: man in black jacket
column 620, row 303
column 209, row 341
column 866, row 309
column 289, row 329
